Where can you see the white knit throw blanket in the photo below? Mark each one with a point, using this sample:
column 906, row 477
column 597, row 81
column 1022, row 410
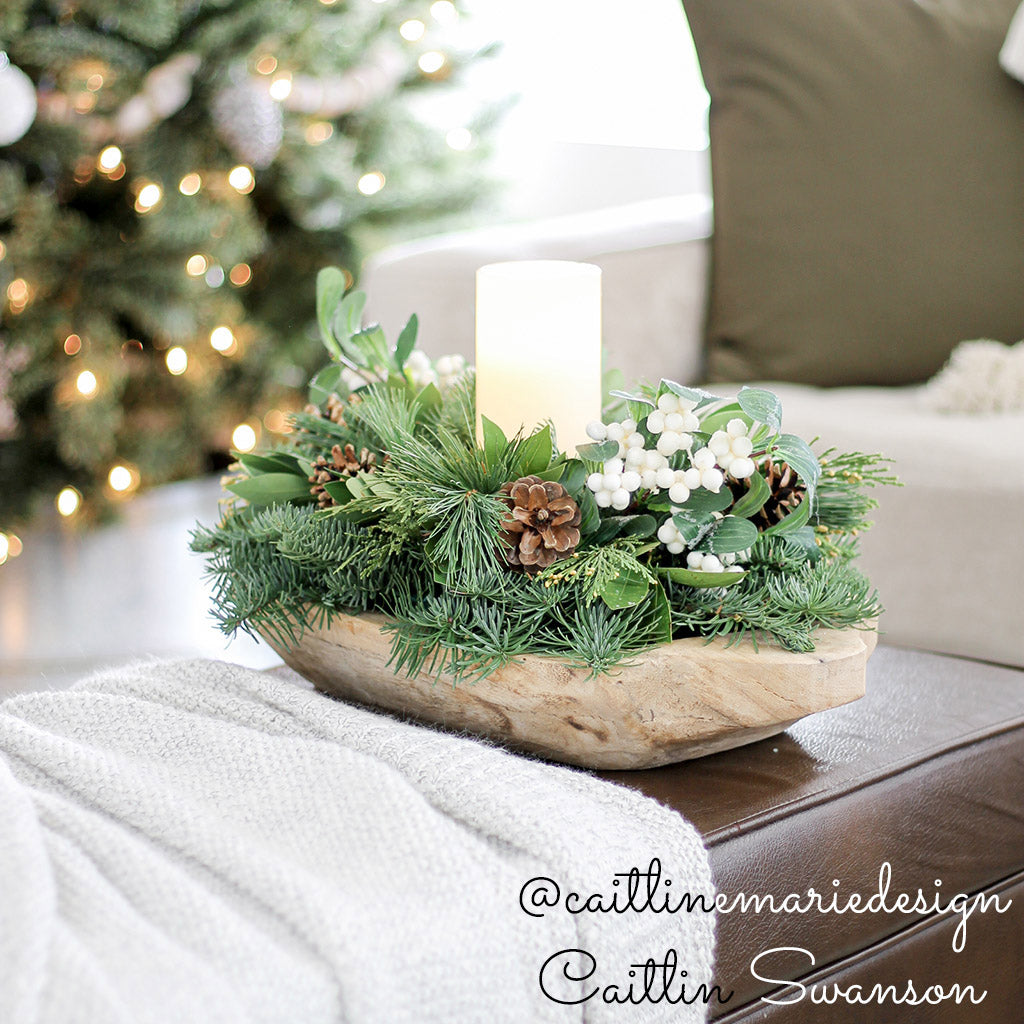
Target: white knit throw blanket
column 194, row 841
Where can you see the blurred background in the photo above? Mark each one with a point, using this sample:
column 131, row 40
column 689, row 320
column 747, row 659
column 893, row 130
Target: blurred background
column 173, row 174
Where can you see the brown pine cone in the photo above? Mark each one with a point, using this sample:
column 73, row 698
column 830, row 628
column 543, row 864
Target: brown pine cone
column 343, row 463
column 542, row 524
column 787, row 492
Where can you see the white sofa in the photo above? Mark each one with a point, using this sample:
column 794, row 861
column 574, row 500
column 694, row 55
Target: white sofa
column 946, row 551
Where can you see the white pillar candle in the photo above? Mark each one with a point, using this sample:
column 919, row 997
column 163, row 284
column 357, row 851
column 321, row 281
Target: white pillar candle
column 538, row 347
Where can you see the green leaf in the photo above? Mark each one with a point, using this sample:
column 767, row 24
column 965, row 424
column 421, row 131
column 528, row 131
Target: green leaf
column 661, row 612
column 270, row 488
column 626, row 590
column 495, row 442
column 803, row 538
column 752, row 502
column 406, row 341
column 733, row 534
column 330, row 287
column 372, row 345
column 719, row 419
column 694, row 526
column 534, row 454
column 633, row 396
column 273, row 463
column 625, row 526
column 339, row 491
column 325, row 384
column 702, row 580
column 348, row 317
column 796, row 452
column 761, row 405
column 428, row 398
column 598, row 452
column 703, row 500
column 697, row 395
column 590, row 514
column 797, row 518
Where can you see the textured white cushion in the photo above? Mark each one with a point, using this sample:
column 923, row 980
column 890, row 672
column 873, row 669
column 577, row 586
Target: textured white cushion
column 947, row 549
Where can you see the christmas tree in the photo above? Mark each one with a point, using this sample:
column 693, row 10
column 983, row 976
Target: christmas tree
column 172, row 175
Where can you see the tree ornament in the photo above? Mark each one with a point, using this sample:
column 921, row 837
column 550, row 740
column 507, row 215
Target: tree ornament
column 343, row 463
column 248, row 119
column 541, row 526
column 17, row 102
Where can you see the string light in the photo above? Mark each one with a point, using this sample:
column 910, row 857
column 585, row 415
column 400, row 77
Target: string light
column 221, row 338
column 94, row 83
column 69, row 501
column 177, row 360
column 459, row 139
column 241, row 274
column 5, row 548
column 18, row 291
column 196, row 264
column 190, row 184
column 72, row 345
column 370, row 184
column 109, row 159
column 412, row 30
column 243, row 438
column 14, row 545
column 267, row 64
column 149, row 195
column 85, row 102
column 432, row 61
column 319, row 132
column 86, row 383
column 123, row 479
column 444, row 11
column 241, row 179
column 276, row 422
column 280, row 88
column 328, row 3
column 215, row 275
column 3, row 251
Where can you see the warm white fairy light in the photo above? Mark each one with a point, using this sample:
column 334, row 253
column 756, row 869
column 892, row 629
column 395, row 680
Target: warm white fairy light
column 243, row 438
column 459, row 139
column 318, row 132
column 109, row 159
column 5, row 548
column 215, row 275
column 444, row 12
column 371, row 183
column 267, row 64
column 432, row 61
column 177, row 360
column 281, row 88
column 148, row 197
column 69, row 501
column 222, row 338
column 241, row 274
column 122, row 479
column 86, row 383
column 412, row 30
column 72, row 345
column 10, row 546
column 190, row 184
column 241, row 179
column 196, row 264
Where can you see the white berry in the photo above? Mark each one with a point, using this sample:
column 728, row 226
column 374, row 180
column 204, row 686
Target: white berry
column 630, row 481
column 613, row 466
column 635, row 456
column 603, row 498
column 656, row 422
column 615, row 432
column 742, row 447
column 634, row 440
column 676, row 547
column 649, row 479
column 678, row 493
column 694, row 560
column 595, row 481
column 712, row 564
column 666, row 478
column 741, row 468
column 736, row 428
column 692, row 478
column 611, row 482
column 669, row 443
column 597, row 430
column 628, row 426
column 712, row 479
column 621, row 499
column 654, row 460
column 668, row 402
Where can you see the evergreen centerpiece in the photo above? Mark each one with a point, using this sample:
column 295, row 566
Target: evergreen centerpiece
column 689, row 515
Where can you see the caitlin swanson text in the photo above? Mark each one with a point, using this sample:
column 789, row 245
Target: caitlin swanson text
column 664, row 979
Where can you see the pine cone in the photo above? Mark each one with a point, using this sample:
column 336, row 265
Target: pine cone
column 542, row 524
column 342, row 464
column 787, row 493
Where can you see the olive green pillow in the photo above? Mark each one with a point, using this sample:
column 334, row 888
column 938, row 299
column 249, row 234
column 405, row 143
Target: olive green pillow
column 868, row 175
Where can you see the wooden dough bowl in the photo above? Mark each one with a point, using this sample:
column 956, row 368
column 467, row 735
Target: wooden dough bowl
column 671, row 703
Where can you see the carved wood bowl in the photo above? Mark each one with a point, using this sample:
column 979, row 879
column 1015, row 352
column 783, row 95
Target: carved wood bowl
column 671, row 703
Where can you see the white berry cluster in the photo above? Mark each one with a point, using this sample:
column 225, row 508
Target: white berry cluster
column 669, row 535
column 615, row 486
column 673, row 420
column 447, row 371
column 700, row 561
column 732, row 448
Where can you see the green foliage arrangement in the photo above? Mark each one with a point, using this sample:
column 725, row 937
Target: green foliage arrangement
column 692, row 515
column 190, row 167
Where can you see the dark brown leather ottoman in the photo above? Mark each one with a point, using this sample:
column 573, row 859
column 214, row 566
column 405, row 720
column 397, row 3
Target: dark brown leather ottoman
column 926, row 773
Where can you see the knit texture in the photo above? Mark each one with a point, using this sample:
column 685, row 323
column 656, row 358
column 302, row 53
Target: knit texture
column 194, row 841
